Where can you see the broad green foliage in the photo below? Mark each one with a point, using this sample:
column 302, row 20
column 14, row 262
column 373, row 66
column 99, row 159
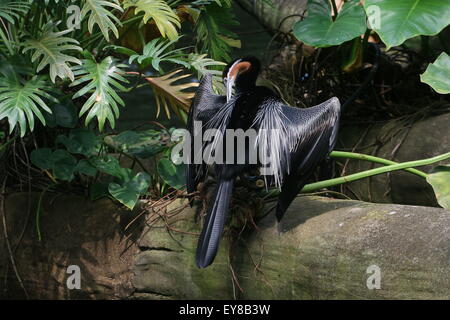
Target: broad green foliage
column 99, row 13
column 64, row 114
column 48, row 50
column 85, row 167
column 110, row 165
column 159, row 50
column 80, row 141
column 319, row 30
column 42, row 158
column 394, row 21
column 211, row 33
column 142, row 144
column 204, row 65
column 165, row 19
column 103, row 81
column 22, row 101
column 57, row 74
column 60, row 162
column 128, row 187
column 128, row 192
column 437, row 74
column 156, row 51
column 11, row 10
column 439, row 179
column 173, row 175
column 37, row 32
column 404, row 19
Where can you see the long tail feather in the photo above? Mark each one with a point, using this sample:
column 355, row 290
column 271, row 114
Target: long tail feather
column 208, row 242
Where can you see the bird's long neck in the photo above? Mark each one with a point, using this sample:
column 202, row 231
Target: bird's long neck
column 247, row 81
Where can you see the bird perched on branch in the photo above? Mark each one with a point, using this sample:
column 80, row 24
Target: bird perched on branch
column 289, row 143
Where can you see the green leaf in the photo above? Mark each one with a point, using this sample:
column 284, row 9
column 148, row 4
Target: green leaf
column 128, row 193
column 404, row 19
column 211, row 33
column 319, row 30
column 156, row 51
column 173, row 175
column 64, row 114
column 103, row 81
column 15, row 67
column 48, row 50
column 437, row 74
column 42, row 158
column 85, row 167
column 100, row 14
column 80, row 141
column 439, row 179
column 12, row 10
column 110, row 165
column 64, row 165
column 165, row 19
column 142, row 144
column 22, row 101
column 204, row 65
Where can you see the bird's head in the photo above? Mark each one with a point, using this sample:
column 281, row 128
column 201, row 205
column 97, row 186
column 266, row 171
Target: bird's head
column 241, row 73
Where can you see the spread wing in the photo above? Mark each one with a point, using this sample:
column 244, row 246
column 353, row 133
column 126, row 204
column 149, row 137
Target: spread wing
column 301, row 140
column 203, row 114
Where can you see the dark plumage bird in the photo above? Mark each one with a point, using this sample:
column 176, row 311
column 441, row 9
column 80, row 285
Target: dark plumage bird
column 295, row 140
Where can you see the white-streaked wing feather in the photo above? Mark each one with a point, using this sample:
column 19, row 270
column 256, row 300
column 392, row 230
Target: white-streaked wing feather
column 282, row 130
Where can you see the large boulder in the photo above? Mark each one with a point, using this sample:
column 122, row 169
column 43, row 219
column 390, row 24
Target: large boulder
column 395, row 141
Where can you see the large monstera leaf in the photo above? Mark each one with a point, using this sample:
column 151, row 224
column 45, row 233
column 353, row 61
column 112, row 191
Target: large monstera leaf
column 400, row 20
column 437, row 74
column 319, row 30
column 103, row 80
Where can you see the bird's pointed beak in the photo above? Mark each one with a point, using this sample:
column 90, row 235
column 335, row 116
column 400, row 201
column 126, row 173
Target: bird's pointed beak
column 229, row 82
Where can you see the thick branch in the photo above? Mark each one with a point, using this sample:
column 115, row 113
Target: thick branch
column 324, row 252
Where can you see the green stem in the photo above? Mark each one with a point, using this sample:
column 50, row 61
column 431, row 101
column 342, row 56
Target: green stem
column 373, row 172
column 364, row 174
column 365, row 157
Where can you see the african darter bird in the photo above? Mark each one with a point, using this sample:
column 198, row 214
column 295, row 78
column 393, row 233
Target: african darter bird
column 296, row 140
